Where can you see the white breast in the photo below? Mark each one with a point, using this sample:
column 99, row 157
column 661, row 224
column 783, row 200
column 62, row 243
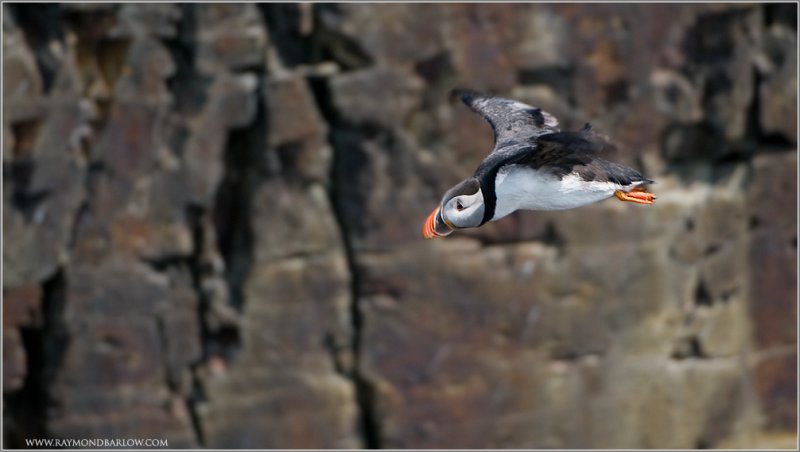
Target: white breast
column 521, row 187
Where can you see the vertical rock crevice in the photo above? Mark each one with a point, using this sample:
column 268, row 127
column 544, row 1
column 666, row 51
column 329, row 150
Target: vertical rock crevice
column 44, row 342
column 44, row 32
column 185, row 85
column 369, row 421
column 196, row 395
column 365, row 392
column 220, row 225
column 232, row 217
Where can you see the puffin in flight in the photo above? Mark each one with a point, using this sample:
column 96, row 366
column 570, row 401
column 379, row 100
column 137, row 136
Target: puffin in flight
column 533, row 166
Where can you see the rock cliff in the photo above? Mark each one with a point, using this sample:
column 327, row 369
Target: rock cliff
column 212, row 219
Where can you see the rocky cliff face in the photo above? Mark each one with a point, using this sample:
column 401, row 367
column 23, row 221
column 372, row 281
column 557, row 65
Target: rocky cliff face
column 212, row 221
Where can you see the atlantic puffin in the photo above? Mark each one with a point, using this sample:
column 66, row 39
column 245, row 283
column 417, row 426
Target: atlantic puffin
column 533, row 166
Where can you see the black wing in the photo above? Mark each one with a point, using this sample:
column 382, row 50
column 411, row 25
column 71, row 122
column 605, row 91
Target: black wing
column 512, row 121
column 562, row 153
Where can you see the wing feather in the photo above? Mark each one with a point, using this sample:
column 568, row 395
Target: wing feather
column 562, row 153
column 511, row 121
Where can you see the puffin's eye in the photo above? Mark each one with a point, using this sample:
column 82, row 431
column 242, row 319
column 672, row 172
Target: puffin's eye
column 459, row 207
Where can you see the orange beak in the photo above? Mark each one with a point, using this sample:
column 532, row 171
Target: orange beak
column 435, row 226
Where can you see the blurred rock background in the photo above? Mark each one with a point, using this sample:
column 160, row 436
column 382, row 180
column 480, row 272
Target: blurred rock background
column 212, row 228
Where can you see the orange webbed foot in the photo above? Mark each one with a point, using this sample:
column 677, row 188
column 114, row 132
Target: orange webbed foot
column 637, row 195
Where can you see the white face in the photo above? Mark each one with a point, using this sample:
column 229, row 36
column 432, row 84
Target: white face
column 464, row 211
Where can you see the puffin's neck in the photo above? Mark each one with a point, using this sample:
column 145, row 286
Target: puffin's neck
column 489, row 191
column 487, row 177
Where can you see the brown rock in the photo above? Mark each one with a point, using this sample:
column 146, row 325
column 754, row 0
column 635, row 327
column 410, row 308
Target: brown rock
column 360, row 96
column 31, row 256
column 180, row 329
column 22, row 305
column 378, row 199
column 395, row 34
column 543, row 45
column 778, row 105
column 14, row 361
column 283, row 213
column 483, row 54
column 725, row 333
column 50, row 189
column 725, row 41
column 230, row 36
column 424, row 311
column 113, row 356
column 296, row 309
column 554, row 330
column 275, row 296
column 292, row 114
column 138, row 20
column 140, row 200
column 140, row 417
column 231, row 103
column 298, row 409
column 22, row 83
column 773, row 249
column 128, row 144
column 776, row 385
column 149, row 64
column 165, row 196
column 773, row 283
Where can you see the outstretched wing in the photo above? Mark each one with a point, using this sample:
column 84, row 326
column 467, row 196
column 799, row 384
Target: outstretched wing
column 512, row 121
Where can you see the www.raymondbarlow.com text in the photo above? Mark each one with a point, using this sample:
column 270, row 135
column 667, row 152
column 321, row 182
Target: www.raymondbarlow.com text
column 95, row 442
